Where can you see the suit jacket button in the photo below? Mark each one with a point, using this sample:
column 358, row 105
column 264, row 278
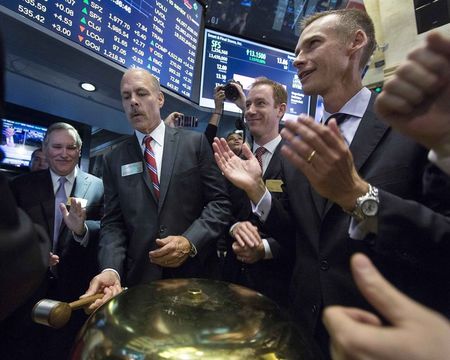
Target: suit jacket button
column 314, row 309
column 324, row 266
column 162, row 229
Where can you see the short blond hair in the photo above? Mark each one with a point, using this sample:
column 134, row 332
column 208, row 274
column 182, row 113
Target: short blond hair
column 350, row 20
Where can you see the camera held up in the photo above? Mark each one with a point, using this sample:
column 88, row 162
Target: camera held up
column 231, row 92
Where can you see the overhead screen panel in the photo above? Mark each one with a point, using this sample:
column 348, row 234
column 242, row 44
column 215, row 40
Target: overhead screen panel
column 161, row 36
column 228, row 57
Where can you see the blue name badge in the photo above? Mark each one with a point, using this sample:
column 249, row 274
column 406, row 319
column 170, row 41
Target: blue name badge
column 131, row 169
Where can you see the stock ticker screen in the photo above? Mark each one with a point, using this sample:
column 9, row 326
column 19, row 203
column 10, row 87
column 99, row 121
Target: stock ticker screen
column 159, row 35
column 227, row 57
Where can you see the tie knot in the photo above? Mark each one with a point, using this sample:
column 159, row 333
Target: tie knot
column 260, row 151
column 147, row 140
column 62, row 180
column 340, row 117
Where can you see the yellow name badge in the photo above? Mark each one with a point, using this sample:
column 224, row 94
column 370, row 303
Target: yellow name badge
column 274, row 185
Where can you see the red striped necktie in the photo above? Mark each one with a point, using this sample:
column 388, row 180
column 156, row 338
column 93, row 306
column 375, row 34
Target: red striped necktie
column 259, row 152
column 150, row 162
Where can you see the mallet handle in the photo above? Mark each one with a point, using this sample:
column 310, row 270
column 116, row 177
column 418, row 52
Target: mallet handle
column 85, row 301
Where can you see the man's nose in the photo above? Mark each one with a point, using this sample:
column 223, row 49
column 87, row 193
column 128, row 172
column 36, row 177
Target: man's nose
column 250, row 109
column 64, row 152
column 299, row 61
column 133, row 100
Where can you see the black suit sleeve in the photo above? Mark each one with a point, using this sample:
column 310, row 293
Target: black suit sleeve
column 24, row 253
column 215, row 217
column 113, row 237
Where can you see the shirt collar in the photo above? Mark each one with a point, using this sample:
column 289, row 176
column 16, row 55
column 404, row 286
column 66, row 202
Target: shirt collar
column 70, row 177
column 356, row 106
column 157, row 134
column 270, row 146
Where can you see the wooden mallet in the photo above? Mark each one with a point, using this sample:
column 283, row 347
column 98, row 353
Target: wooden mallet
column 56, row 314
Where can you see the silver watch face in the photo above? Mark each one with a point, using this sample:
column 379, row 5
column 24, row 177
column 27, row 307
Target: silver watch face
column 369, row 207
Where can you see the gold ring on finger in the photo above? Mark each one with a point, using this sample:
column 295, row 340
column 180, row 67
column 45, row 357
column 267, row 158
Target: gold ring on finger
column 311, row 156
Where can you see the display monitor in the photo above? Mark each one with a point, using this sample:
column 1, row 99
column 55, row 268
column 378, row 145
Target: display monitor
column 227, row 57
column 275, row 22
column 19, row 140
column 159, row 35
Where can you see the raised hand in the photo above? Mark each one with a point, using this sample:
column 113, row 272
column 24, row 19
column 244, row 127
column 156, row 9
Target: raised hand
column 322, row 155
column 246, row 173
column 75, row 217
column 415, row 101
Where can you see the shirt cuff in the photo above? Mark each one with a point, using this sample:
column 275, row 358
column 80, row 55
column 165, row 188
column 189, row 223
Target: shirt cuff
column 267, row 252
column 360, row 229
column 115, row 271
column 442, row 161
column 82, row 240
column 262, row 209
column 230, row 232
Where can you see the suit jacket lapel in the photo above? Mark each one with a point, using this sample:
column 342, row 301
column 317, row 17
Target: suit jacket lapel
column 368, row 135
column 171, row 140
column 81, row 185
column 274, row 168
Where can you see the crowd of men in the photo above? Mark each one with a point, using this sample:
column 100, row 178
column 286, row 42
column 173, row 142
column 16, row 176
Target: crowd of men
column 297, row 214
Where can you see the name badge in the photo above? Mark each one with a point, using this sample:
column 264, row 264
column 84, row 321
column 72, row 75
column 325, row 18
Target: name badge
column 81, row 200
column 274, row 185
column 131, row 169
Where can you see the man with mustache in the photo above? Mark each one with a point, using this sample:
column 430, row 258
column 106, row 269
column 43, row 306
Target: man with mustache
column 165, row 200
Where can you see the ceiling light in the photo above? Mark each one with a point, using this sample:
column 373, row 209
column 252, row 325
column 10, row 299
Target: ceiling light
column 88, row 86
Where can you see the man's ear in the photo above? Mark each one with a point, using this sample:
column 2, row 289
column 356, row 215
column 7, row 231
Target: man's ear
column 161, row 99
column 282, row 110
column 358, row 41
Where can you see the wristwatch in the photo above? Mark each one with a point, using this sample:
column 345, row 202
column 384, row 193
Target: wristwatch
column 366, row 205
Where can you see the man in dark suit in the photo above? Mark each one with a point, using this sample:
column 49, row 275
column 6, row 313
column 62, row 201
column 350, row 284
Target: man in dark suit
column 335, row 210
column 73, row 257
column 422, row 113
column 263, row 264
column 24, row 250
column 165, row 199
column 23, row 247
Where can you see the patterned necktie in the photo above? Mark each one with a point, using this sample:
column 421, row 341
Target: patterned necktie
column 340, row 117
column 60, row 197
column 150, row 162
column 258, row 154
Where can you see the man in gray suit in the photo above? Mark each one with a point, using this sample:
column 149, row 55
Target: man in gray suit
column 165, row 199
column 45, row 196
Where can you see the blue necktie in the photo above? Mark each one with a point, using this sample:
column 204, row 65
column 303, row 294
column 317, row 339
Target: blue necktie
column 60, row 197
